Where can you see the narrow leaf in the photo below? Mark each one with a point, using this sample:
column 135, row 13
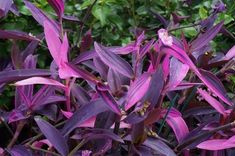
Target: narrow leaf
column 84, row 113
column 58, row 6
column 206, row 37
column 109, row 100
column 39, row 80
column 137, row 90
column 18, row 35
column 212, row 101
column 14, row 75
column 53, row 135
column 114, row 61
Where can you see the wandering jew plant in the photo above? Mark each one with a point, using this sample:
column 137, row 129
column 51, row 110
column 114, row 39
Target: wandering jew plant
column 154, row 96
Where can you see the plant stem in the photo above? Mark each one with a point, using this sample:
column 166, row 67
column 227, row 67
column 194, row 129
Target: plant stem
column 191, row 140
column 164, row 120
column 77, row 148
column 6, row 125
column 67, row 94
column 42, row 150
column 19, row 128
column 83, row 22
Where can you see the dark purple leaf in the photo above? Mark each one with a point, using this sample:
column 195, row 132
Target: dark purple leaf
column 18, row 35
column 109, row 100
column 215, row 85
column 84, row 113
column 40, row 17
column 159, row 17
column 14, row 10
column 80, row 94
column 101, row 68
column 16, row 57
column 114, row 61
column 206, row 37
column 114, row 81
column 58, row 6
column 20, row 150
column 159, row 146
column 14, row 75
column 86, row 41
column 53, row 135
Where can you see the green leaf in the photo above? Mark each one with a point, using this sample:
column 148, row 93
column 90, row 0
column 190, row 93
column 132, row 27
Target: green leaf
column 203, row 12
column 101, row 13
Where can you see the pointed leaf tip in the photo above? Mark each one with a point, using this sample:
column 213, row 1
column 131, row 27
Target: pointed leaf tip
column 114, row 61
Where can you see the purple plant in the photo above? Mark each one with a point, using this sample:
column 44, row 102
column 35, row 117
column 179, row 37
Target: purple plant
column 164, row 101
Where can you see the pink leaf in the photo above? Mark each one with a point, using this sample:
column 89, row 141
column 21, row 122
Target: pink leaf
column 39, row 80
column 137, row 90
column 230, row 54
column 212, row 101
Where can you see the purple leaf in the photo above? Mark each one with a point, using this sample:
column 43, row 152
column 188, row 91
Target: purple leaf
column 206, row 37
column 58, row 6
column 210, row 80
column 230, row 54
column 80, row 94
column 178, row 71
column 155, row 87
column 39, row 80
column 177, row 123
column 53, row 135
column 212, row 101
column 14, row 75
column 5, row 6
column 17, row 35
column 109, row 101
column 40, row 17
column 114, row 81
column 146, row 48
column 84, row 113
column 20, row 150
column 114, row 61
column 101, row 68
column 215, row 85
column 159, row 146
column 137, row 90
column 115, row 49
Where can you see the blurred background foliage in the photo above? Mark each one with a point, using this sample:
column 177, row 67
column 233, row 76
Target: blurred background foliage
column 114, row 22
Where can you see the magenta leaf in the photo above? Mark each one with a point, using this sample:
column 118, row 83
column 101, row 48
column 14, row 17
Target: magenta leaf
column 53, row 135
column 230, row 54
column 17, row 35
column 206, row 37
column 114, row 61
column 217, row 144
column 177, row 123
column 178, row 71
column 58, row 6
column 212, row 101
column 137, row 90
